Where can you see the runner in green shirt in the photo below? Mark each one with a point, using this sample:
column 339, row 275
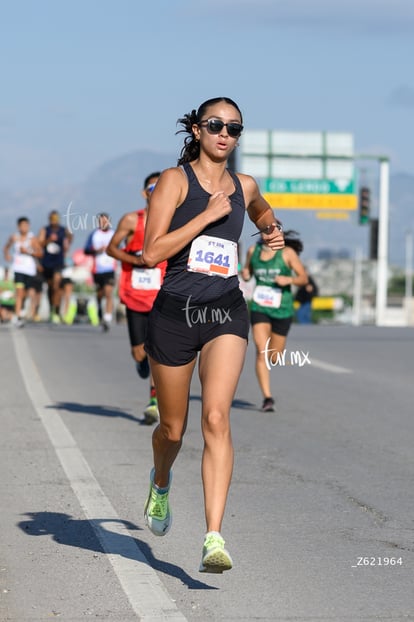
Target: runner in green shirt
column 272, row 309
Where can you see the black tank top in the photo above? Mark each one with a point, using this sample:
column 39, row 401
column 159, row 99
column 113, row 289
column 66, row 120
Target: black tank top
column 56, row 258
column 178, row 281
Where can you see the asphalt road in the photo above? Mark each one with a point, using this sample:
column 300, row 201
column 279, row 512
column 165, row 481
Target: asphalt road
column 319, row 519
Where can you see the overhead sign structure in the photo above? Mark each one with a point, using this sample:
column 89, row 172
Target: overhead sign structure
column 310, row 193
column 311, row 201
column 310, row 186
column 335, row 215
column 329, row 156
column 302, row 170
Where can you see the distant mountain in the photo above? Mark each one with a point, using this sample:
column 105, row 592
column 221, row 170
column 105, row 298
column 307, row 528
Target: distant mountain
column 115, row 187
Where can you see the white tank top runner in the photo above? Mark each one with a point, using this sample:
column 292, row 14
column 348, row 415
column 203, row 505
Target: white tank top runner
column 22, row 262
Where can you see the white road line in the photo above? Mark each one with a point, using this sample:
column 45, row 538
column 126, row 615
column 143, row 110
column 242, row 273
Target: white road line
column 335, row 369
column 144, row 590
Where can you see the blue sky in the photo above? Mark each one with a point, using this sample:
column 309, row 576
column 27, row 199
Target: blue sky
column 87, row 81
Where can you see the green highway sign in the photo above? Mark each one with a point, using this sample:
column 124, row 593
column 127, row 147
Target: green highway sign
column 309, row 186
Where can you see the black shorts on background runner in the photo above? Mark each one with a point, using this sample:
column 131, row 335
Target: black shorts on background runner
column 280, row 325
column 137, row 326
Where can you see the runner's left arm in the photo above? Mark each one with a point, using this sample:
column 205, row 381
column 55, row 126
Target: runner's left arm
column 261, row 213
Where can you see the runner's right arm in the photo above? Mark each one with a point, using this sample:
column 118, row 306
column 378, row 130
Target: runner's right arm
column 7, row 248
column 125, row 228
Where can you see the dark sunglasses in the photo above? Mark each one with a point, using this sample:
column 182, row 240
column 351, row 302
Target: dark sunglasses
column 214, row 126
column 150, row 187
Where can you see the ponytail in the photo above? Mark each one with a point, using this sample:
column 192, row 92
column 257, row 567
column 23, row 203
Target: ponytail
column 191, row 149
column 292, row 239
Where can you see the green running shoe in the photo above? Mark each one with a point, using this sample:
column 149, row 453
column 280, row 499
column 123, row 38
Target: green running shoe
column 55, row 318
column 157, row 512
column 215, row 558
column 92, row 311
column 71, row 314
column 151, row 414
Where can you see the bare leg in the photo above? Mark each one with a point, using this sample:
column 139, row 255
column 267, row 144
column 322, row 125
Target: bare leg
column 138, row 353
column 173, row 388
column 108, row 295
column 31, row 294
column 141, row 361
column 50, row 294
column 19, row 299
column 37, row 301
column 99, row 296
column 221, row 362
column 277, row 344
column 56, row 291
column 67, row 295
column 261, row 334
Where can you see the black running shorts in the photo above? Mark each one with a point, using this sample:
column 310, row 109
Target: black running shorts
column 280, row 325
column 24, row 280
column 178, row 328
column 137, row 326
column 48, row 273
column 104, row 278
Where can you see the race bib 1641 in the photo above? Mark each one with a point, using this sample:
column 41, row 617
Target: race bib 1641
column 213, row 256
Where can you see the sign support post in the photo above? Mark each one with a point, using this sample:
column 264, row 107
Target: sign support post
column 382, row 261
